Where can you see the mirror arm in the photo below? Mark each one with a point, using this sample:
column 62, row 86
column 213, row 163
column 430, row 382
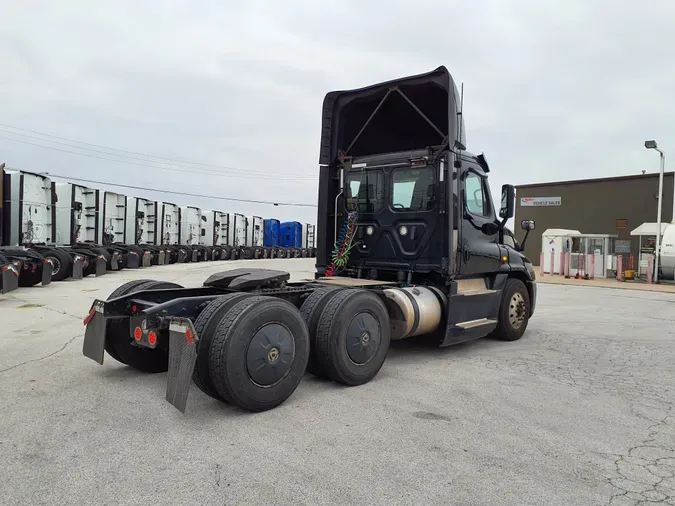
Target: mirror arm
column 522, row 244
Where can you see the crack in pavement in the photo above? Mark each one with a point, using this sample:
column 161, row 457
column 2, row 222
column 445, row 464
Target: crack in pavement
column 44, row 307
column 70, row 340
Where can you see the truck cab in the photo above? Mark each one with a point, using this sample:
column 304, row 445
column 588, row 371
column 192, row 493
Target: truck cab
column 401, row 200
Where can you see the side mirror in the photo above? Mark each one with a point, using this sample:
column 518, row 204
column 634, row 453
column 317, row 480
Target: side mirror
column 527, row 225
column 508, row 202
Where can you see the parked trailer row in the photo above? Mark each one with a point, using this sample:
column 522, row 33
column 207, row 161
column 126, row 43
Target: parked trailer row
column 52, row 231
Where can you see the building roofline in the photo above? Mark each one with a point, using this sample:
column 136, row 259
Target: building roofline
column 593, row 180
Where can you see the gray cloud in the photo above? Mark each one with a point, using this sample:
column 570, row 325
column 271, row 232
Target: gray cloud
column 554, row 90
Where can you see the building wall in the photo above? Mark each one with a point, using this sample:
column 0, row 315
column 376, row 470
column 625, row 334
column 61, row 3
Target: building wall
column 594, row 206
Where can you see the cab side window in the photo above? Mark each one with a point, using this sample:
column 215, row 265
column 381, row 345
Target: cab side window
column 474, row 195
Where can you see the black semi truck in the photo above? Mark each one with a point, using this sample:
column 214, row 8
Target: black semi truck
column 410, row 245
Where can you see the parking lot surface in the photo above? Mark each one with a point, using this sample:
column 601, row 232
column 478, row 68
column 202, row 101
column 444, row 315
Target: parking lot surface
column 580, row 411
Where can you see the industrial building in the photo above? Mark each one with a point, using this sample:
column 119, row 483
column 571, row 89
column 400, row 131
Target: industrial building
column 613, row 205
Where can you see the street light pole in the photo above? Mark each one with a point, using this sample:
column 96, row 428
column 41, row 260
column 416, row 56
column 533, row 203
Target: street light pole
column 652, row 145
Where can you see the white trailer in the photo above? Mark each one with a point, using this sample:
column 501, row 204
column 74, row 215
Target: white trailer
column 190, row 225
column 142, row 222
column 254, row 232
column 308, row 236
column 217, row 226
column 77, row 209
column 28, row 209
column 238, row 231
column 170, row 221
column 113, row 218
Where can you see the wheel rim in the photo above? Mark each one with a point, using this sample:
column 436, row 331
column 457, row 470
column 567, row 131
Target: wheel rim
column 517, row 310
column 56, row 265
column 363, row 338
column 270, row 354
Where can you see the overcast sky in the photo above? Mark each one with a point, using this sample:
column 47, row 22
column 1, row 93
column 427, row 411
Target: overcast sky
column 553, row 89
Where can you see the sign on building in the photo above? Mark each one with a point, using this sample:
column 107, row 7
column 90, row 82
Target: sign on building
column 622, row 246
column 541, row 201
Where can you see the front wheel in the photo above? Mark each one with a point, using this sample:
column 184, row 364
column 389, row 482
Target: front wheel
column 514, row 311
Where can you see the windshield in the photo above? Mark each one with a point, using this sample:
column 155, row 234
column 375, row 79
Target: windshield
column 409, row 189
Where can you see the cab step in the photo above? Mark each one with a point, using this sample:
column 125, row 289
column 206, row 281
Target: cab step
column 476, row 323
column 473, row 310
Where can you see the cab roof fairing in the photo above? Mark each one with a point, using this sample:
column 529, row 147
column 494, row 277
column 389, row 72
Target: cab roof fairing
column 419, row 123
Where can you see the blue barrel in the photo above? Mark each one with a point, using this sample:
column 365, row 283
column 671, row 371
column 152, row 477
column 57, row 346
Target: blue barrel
column 291, row 234
column 271, row 233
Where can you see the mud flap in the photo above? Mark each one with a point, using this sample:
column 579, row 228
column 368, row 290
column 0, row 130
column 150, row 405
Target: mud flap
column 94, row 335
column 10, row 278
column 182, row 358
column 46, row 273
column 195, row 255
column 161, row 257
column 114, row 261
column 133, row 260
column 78, row 267
column 147, row 259
column 101, row 266
column 167, row 257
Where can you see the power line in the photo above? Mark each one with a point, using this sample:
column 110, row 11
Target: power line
column 218, row 197
column 181, row 170
column 173, row 160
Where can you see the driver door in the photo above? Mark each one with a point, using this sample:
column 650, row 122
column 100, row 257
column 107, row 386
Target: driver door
column 480, row 252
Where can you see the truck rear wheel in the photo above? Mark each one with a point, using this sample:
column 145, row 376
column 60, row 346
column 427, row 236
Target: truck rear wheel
column 259, row 353
column 311, row 311
column 62, row 263
column 353, row 336
column 119, row 343
column 247, row 253
column 514, row 311
column 205, row 324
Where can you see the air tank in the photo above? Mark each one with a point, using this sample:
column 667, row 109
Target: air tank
column 667, row 258
column 414, row 310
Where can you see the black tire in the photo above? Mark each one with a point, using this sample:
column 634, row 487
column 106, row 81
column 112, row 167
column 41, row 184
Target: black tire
column 106, row 254
column 227, row 252
column 353, row 336
column 91, row 266
column 247, row 253
column 205, row 324
column 118, row 326
column 121, row 342
column 258, row 253
column 282, row 253
column 240, row 341
column 311, row 312
column 296, row 253
column 62, row 263
column 217, row 253
column 514, row 307
column 305, row 253
column 183, row 254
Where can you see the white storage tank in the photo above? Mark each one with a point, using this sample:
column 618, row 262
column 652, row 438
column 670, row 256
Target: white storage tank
column 667, row 258
column 169, row 224
column 28, row 208
column 77, row 209
column 142, row 221
column 113, row 218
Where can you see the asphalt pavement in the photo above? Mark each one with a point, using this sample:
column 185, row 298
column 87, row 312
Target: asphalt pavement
column 580, row 411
